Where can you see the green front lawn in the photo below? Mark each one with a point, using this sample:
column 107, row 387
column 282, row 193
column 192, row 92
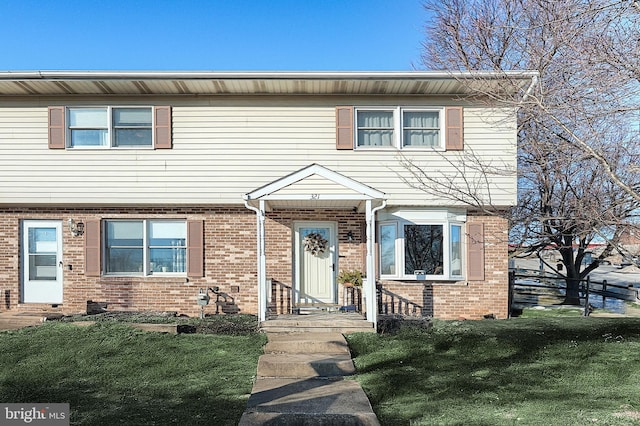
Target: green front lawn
column 527, row 371
column 537, row 371
column 112, row 374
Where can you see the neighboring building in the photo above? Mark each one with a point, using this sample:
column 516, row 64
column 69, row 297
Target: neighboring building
column 630, row 243
column 138, row 189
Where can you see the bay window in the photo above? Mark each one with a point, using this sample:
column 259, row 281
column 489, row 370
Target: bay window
column 411, row 246
column 388, row 235
column 423, row 249
column 456, row 250
column 145, row 247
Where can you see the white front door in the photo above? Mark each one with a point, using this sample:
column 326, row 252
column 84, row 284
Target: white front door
column 42, row 261
column 315, row 260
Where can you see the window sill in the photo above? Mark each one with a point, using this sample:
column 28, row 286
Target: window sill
column 423, row 148
column 376, row 148
column 430, row 279
column 156, row 275
column 109, row 148
column 404, row 148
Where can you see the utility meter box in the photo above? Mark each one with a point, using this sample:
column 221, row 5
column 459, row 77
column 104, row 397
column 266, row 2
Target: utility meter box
column 203, row 298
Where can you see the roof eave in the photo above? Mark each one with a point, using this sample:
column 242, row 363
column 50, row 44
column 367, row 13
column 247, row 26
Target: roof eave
column 91, row 83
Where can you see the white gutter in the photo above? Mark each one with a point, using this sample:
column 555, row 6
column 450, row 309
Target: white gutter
column 261, row 75
column 371, row 304
column 534, row 81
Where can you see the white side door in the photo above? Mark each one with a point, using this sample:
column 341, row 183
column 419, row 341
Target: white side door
column 42, row 261
column 315, row 260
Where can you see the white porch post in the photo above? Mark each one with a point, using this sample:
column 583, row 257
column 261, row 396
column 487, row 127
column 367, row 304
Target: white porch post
column 370, row 289
column 263, row 290
column 262, row 262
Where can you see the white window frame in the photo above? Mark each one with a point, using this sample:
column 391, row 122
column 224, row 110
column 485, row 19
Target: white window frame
column 462, row 251
column 396, row 242
column 398, row 129
column 441, row 130
column 446, row 249
column 147, row 269
column 445, row 245
column 394, row 143
column 110, row 127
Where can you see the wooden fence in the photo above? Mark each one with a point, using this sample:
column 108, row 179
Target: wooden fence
column 529, row 287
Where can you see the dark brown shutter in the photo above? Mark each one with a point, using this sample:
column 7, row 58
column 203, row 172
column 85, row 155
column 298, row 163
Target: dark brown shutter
column 454, row 129
column 162, row 127
column 195, row 248
column 475, row 251
column 92, row 248
column 57, row 129
column 344, row 127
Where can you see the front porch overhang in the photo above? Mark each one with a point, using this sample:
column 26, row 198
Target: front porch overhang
column 316, row 187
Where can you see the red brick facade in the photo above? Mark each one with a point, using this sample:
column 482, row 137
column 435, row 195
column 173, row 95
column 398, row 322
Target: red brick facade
column 230, row 264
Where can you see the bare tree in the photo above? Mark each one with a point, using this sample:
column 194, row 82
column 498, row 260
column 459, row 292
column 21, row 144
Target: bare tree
column 578, row 151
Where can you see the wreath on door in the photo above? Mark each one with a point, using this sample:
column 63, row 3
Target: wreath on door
column 315, row 244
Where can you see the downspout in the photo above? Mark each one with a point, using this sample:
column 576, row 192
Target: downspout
column 534, row 81
column 371, row 304
column 261, row 258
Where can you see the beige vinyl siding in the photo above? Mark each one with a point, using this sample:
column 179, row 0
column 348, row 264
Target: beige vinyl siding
column 224, row 148
column 316, row 185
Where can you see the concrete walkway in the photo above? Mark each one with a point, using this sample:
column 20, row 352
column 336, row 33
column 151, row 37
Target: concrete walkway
column 301, row 381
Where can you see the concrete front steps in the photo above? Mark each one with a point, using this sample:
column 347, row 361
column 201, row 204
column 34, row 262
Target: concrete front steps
column 344, row 323
column 301, row 381
column 295, row 343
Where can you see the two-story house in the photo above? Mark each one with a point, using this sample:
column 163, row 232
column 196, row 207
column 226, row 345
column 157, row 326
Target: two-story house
column 138, row 189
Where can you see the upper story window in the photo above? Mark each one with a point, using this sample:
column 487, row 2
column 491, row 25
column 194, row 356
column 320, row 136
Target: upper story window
column 399, row 128
column 106, row 127
column 375, row 128
column 421, row 129
column 110, row 127
column 417, row 128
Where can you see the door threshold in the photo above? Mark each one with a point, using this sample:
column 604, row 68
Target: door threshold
column 306, row 309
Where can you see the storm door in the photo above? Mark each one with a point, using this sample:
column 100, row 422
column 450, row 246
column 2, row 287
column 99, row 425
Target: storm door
column 42, row 262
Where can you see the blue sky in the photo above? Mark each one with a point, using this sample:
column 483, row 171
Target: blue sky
column 233, row 35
